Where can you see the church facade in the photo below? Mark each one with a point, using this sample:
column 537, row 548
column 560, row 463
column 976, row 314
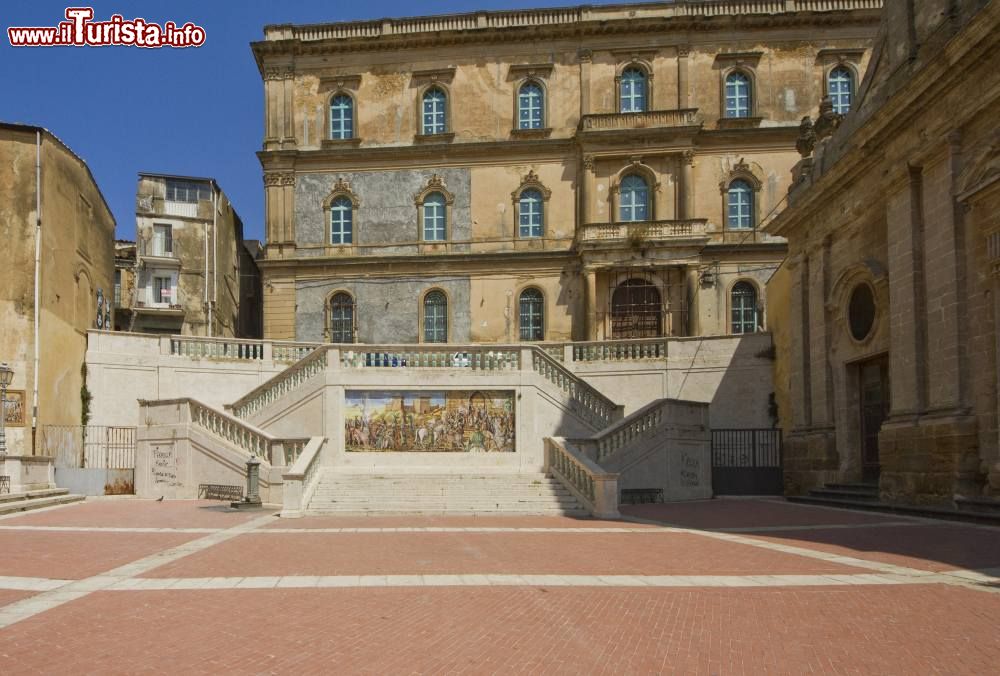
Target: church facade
column 887, row 353
column 585, row 173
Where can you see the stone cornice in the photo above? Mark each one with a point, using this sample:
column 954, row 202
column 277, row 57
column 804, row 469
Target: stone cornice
column 544, row 25
column 470, row 260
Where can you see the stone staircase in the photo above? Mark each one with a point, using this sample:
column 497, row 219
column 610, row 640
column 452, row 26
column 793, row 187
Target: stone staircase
column 11, row 503
column 341, row 492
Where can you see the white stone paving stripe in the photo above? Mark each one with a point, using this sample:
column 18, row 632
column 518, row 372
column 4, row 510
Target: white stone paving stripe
column 47, row 600
column 30, row 583
column 472, row 580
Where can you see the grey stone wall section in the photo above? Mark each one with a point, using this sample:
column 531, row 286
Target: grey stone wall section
column 387, row 214
column 387, row 310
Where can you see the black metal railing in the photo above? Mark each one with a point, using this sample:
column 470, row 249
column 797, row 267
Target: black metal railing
column 747, row 462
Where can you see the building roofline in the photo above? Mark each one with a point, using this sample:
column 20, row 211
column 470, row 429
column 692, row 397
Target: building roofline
column 18, row 126
column 153, row 174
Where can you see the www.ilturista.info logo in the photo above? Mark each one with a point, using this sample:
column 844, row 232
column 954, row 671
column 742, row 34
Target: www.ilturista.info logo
column 79, row 30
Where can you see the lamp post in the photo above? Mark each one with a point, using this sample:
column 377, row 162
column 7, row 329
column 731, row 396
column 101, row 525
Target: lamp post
column 6, row 376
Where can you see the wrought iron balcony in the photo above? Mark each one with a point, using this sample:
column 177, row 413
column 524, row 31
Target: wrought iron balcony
column 651, row 119
column 644, row 231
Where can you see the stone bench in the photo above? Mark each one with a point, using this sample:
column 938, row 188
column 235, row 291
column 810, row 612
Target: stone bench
column 220, row 492
column 641, row 496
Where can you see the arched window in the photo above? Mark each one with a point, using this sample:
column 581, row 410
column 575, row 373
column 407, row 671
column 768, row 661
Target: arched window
column 435, row 317
column 744, row 308
column 529, row 210
column 435, row 117
column 738, row 100
column 341, row 221
column 341, row 117
column 633, row 199
column 840, row 88
column 632, row 93
column 636, row 310
column 531, row 310
column 342, row 318
column 530, row 106
column 435, row 222
column 739, row 202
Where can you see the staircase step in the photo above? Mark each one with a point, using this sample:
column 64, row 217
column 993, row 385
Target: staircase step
column 25, row 504
column 844, row 493
column 978, row 505
column 27, row 495
column 904, row 510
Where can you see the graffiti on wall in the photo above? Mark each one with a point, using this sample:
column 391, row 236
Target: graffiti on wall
column 480, row 421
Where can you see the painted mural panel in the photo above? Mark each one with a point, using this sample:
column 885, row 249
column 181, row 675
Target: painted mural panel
column 447, row 421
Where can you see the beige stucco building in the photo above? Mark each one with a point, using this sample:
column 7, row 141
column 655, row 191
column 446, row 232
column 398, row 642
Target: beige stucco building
column 887, row 359
column 558, row 174
column 191, row 269
column 52, row 293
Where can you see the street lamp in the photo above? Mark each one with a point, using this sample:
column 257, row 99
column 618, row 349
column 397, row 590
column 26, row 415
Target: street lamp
column 6, row 376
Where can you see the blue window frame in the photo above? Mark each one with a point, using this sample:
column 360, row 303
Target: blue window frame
column 530, row 217
column 434, row 116
column 633, row 199
column 738, row 99
column 435, row 317
column 739, row 203
column 341, row 117
column 341, row 221
column 633, row 94
column 531, row 310
column 743, row 299
column 434, row 218
column 840, row 88
column 530, row 106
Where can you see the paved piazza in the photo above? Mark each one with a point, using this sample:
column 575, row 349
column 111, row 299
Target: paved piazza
column 715, row 587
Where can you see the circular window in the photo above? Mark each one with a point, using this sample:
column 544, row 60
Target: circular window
column 861, row 311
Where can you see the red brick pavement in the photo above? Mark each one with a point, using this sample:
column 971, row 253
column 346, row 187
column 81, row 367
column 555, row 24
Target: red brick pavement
column 485, row 553
column 749, row 513
column 12, row 595
column 72, row 556
column 871, row 630
column 936, row 547
column 131, row 513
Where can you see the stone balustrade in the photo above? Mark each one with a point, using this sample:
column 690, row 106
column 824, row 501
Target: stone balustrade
column 644, row 423
column 650, row 119
column 228, row 428
column 472, row 357
column 236, row 349
column 305, row 369
column 620, row 350
column 301, row 479
column 597, row 488
column 592, row 405
column 554, row 17
column 644, row 231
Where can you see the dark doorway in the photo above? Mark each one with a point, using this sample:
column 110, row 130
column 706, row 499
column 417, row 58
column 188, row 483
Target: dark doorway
column 746, row 462
column 636, row 310
column 873, row 378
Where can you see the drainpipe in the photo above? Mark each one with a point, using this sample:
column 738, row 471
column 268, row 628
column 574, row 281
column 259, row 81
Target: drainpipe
column 38, row 278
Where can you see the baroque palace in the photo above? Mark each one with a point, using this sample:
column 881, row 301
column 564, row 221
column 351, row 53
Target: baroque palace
column 578, row 174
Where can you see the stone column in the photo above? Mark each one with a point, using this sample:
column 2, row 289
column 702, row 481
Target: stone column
column 271, row 83
column 589, row 196
column 590, row 300
column 586, row 57
column 682, row 75
column 685, row 195
column 907, row 325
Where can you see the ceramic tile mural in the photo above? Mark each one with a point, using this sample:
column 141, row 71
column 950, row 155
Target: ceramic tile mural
column 480, row 421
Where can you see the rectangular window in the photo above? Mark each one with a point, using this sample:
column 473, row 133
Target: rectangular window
column 118, row 288
column 163, row 240
column 162, row 290
column 188, row 191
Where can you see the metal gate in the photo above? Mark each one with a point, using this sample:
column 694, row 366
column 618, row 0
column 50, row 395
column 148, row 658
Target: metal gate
column 747, row 462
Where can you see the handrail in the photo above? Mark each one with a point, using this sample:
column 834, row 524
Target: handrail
column 241, row 434
column 597, row 488
column 272, row 389
column 645, row 422
column 302, row 478
column 652, row 230
column 596, row 408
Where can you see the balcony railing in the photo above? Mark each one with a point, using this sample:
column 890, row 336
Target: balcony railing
column 652, row 119
column 644, row 231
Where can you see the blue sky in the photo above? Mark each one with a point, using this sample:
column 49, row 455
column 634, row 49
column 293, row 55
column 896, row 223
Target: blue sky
column 195, row 111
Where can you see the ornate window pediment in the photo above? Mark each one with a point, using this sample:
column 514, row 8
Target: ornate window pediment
column 434, row 184
column 341, row 188
column 531, row 181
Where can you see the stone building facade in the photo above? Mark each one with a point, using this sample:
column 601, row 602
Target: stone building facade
column 564, row 174
column 53, row 293
column 887, row 359
column 192, row 270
